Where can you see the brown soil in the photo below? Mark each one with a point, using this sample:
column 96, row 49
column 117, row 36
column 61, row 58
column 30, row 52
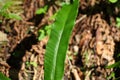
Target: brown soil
column 94, row 44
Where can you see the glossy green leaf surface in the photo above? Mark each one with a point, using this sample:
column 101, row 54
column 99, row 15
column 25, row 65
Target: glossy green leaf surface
column 42, row 10
column 14, row 16
column 113, row 1
column 3, row 77
column 118, row 22
column 58, row 42
column 4, row 11
column 116, row 64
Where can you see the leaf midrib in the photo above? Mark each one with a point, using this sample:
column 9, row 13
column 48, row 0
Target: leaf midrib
column 60, row 39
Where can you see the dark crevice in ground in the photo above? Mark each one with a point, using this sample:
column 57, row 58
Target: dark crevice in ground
column 117, row 58
column 36, row 19
column 15, row 59
column 78, row 61
column 105, row 9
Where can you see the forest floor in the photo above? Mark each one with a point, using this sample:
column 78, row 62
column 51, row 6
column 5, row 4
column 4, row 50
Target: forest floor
column 94, row 43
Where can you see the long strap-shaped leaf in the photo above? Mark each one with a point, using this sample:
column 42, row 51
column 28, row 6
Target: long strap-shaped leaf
column 58, row 41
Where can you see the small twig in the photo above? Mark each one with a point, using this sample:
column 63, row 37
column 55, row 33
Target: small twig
column 74, row 71
column 80, row 19
column 71, row 66
column 29, row 71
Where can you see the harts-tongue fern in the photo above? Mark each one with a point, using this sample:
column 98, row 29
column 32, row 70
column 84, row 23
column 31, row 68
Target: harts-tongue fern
column 58, row 41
